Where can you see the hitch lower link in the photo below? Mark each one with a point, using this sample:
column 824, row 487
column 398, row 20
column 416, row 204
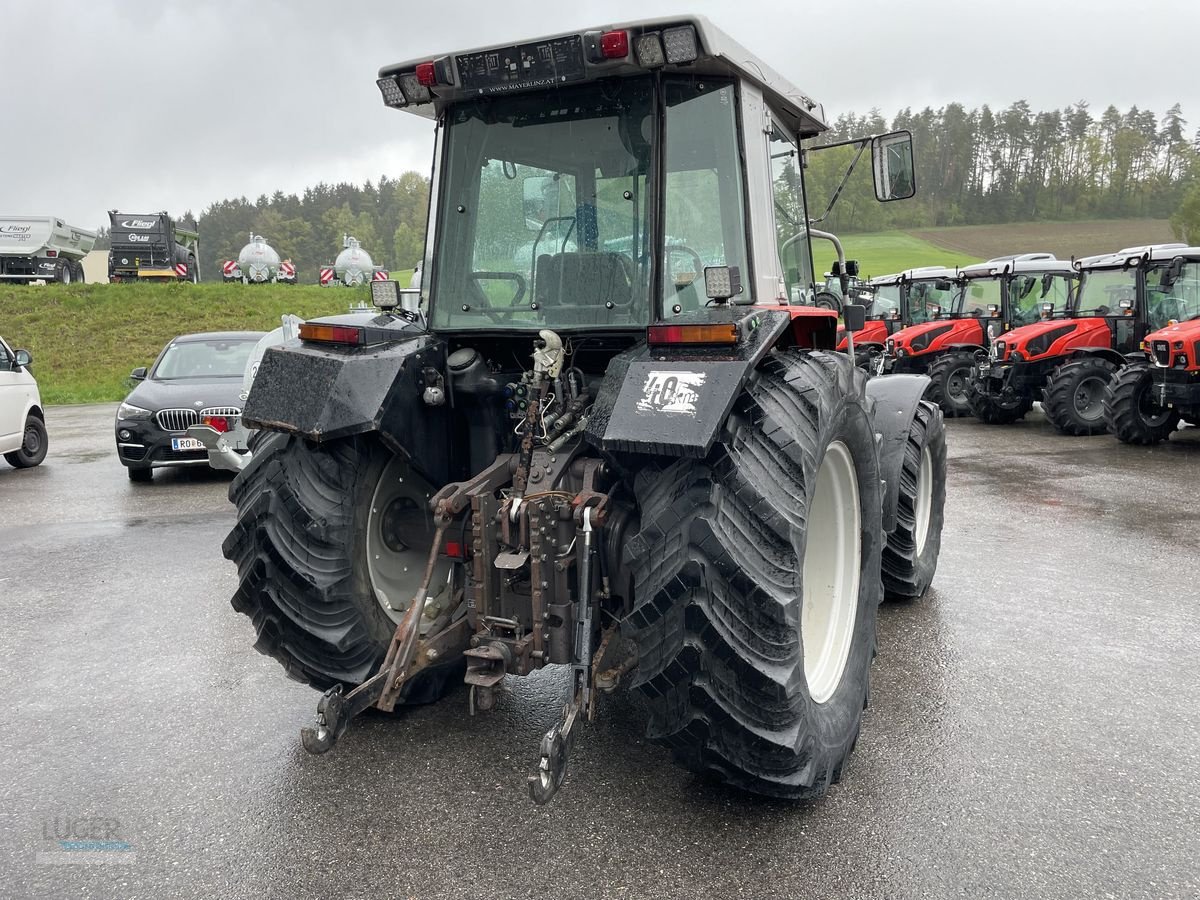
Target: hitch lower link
column 486, row 665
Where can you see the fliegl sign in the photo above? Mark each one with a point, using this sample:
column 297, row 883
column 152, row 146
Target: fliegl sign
column 139, row 223
column 16, row 232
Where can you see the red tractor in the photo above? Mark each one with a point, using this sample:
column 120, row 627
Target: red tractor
column 1147, row 398
column 989, row 299
column 893, row 302
column 1071, row 354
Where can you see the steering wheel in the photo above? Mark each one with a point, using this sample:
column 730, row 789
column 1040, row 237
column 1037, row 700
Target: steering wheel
column 498, row 315
column 697, row 264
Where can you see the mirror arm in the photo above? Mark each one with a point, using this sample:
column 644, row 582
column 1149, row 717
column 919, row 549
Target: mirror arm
column 862, row 145
column 843, row 277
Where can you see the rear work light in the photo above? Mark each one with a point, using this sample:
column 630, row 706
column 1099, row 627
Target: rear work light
column 414, row 91
column 680, row 44
column 649, row 50
column 392, row 95
column 331, row 334
column 724, row 333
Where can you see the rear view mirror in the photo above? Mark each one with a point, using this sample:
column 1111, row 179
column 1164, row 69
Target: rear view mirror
column 23, row 359
column 892, row 165
column 138, row 374
column 942, row 284
column 854, row 316
column 1173, row 272
column 1047, row 283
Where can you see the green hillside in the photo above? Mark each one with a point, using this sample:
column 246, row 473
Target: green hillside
column 887, row 252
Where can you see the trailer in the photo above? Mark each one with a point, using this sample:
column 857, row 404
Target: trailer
column 151, row 247
column 42, row 248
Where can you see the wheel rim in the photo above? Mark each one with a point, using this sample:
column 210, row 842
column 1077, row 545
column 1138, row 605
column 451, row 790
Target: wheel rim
column 400, row 531
column 1089, row 397
column 1152, row 414
column 66, row 275
column 32, row 444
column 924, row 501
column 832, row 560
column 956, row 384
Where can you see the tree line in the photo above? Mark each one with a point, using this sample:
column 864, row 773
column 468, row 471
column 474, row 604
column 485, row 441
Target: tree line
column 973, row 166
column 985, row 166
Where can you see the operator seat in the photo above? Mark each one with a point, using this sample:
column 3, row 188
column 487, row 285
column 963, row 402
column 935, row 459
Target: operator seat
column 580, row 285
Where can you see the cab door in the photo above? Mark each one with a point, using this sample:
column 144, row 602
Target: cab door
column 13, row 394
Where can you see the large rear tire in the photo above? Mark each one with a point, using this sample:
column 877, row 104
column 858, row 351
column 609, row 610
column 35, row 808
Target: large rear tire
column 910, row 554
column 307, row 522
column 949, row 376
column 1074, row 397
column 756, row 631
column 1131, row 413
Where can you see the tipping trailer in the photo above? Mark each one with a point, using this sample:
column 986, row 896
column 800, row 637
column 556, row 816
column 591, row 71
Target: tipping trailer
column 577, row 458
column 42, row 248
column 151, row 247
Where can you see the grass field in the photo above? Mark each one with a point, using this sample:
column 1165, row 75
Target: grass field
column 85, row 339
column 1063, row 239
column 887, row 252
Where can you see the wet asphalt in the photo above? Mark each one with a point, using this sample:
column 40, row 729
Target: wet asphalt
column 1034, row 728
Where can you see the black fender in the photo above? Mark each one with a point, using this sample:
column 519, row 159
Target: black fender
column 895, row 399
column 673, row 401
column 972, row 347
column 326, row 392
column 1103, row 352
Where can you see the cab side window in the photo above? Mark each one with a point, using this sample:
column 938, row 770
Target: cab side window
column 7, row 363
column 791, row 219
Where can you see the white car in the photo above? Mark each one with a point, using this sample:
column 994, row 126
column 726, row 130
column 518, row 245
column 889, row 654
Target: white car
column 22, row 422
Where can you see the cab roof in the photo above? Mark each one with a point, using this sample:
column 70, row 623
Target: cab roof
column 719, row 54
column 1037, row 263
column 924, row 273
column 1131, row 256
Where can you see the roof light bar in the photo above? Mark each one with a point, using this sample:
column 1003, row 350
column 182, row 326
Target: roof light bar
column 649, row 50
column 331, row 334
column 680, row 44
column 723, row 333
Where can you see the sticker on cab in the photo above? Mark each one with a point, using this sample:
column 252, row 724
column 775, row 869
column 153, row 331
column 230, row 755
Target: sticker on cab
column 671, row 392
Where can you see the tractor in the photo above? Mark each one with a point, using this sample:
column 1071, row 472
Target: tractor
column 1147, row 398
column 601, row 435
column 991, row 297
column 892, row 302
column 1072, row 352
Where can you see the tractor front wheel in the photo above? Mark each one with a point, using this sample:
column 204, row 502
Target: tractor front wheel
column 950, row 375
column 1131, row 413
column 1074, row 395
column 331, row 543
column 991, row 411
column 757, row 582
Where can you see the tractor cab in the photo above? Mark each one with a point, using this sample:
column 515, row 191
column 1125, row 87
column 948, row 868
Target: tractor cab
column 894, row 302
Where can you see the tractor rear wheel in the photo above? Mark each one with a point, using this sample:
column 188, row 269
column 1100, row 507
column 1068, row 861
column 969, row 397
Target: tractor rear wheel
column 1074, row 395
column 951, row 374
column 757, row 583
column 910, row 553
column 1131, row 413
column 331, row 543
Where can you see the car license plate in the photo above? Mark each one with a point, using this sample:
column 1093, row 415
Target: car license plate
column 186, row 444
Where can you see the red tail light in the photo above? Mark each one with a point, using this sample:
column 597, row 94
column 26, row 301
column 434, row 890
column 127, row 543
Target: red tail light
column 614, row 44
column 52, row 253
column 426, row 74
column 724, row 333
column 455, row 550
column 217, row 423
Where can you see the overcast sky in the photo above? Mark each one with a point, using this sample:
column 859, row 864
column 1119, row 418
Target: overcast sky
column 145, row 106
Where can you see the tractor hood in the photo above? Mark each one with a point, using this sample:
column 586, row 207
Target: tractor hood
column 1176, row 346
column 917, row 339
column 1053, row 337
column 875, row 331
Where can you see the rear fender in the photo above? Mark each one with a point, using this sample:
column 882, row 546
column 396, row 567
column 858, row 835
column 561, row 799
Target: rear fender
column 327, row 392
column 895, row 398
column 674, row 401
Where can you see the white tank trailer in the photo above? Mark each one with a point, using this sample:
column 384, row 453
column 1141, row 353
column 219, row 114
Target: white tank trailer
column 258, row 263
column 42, row 248
column 352, row 267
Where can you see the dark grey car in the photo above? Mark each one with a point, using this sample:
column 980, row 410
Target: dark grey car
column 196, row 378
